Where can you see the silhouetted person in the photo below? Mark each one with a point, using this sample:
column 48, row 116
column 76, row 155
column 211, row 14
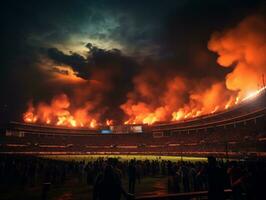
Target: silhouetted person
column 108, row 186
column 256, row 176
column 89, row 173
column 131, row 176
column 138, row 172
column 185, row 178
column 236, row 178
column 216, row 180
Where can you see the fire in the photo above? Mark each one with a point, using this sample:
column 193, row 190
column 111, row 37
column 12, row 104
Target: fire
column 29, row 116
column 109, row 122
column 164, row 97
column 93, row 123
column 178, row 115
column 237, row 100
column 188, row 113
column 59, row 113
column 150, row 119
column 242, row 47
column 215, row 109
column 231, row 102
column 253, row 94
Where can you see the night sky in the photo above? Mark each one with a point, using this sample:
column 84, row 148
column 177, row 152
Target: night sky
column 106, row 48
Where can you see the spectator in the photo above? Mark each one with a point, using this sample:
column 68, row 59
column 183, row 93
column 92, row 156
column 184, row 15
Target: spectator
column 108, row 186
column 131, row 176
column 216, row 180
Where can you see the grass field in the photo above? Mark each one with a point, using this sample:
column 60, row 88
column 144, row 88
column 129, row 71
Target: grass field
column 123, row 157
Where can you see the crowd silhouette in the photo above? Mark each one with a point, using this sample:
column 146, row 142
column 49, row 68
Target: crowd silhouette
column 245, row 178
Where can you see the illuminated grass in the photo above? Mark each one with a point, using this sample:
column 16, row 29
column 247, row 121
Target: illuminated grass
column 123, row 157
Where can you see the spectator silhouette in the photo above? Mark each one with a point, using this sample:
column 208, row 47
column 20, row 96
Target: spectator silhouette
column 131, row 176
column 236, row 178
column 108, row 186
column 216, row 180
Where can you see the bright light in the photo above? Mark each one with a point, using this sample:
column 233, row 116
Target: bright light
column 253, row 94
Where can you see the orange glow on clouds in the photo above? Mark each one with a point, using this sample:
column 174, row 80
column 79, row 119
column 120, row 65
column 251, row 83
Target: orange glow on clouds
column 177, row 98
column 66, row 73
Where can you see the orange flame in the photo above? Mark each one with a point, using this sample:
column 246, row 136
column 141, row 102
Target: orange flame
column 177, row 98
column 242, row 46
column 109, row 122
column 59, row 113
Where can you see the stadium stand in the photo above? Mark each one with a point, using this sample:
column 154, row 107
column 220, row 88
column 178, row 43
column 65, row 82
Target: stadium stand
column 236, row 132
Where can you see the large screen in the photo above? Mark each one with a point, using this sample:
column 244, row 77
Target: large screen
column 126, row 129
column 136, row 129
column 106, row 131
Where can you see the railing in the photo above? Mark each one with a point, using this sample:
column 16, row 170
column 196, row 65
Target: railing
column 182, row 196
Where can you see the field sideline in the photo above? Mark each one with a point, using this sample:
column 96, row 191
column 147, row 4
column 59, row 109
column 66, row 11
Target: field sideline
column 123, row 157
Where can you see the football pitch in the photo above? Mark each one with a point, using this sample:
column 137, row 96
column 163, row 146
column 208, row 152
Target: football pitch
column 124, row 157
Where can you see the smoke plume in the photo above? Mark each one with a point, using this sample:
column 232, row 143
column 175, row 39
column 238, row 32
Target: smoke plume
column 242, row 48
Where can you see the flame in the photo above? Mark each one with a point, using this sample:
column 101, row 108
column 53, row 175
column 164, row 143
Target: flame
column 164, row 97
column 150, row 119
column 109, row 122
column 242, row 46
column 93, row 123
column 237, row 100
column 231, row 102
column 178, row 115
column 29, row 116
column 215, row 109
column 187, row 112
column 252, row 95
column 59, row 113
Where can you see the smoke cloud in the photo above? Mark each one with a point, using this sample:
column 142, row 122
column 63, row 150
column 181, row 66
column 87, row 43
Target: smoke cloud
column 113, row 60
column 157, row 94
column 242, row 48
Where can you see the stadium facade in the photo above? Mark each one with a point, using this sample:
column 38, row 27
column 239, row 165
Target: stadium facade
column 236, row 132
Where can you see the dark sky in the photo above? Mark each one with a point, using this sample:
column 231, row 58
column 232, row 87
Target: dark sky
column 108, row 43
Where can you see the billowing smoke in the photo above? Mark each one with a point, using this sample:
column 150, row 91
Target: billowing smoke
column 93, row 87
column 153, row 98
column 244, row 49
column 107, row 85
column 158, row 98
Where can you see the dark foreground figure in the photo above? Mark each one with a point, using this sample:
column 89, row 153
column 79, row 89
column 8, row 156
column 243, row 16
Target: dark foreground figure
column 245, row 178
column 108, row 185
column 131, row 176
column 216, row 179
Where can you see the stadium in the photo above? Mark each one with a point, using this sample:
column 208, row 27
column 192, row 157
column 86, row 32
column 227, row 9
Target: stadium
column 234, row 133
column 123, row 100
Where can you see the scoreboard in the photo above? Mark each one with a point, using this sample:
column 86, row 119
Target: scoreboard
column 126, row 129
